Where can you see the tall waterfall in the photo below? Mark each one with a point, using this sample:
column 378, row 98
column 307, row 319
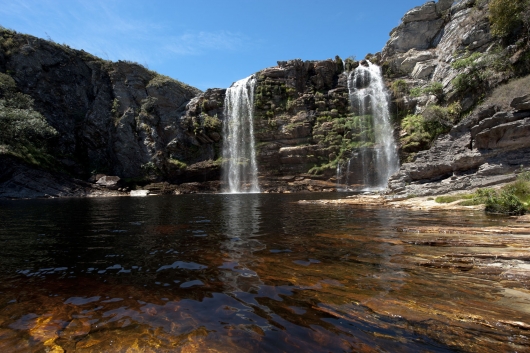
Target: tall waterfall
column 376, row 159
column 239, row 169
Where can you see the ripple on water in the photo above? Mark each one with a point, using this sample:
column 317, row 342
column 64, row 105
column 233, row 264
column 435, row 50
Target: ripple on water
column 272, row 276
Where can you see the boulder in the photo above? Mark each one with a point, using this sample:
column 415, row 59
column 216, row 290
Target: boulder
column 461, row 5
column 95, row 177
column 412, row 57
column 274, row 72
column 109, row 182
column 423, row 70
column 443, row 5
column 521, row 103
column 478, row 36
column 418, row 35
column 426, row 12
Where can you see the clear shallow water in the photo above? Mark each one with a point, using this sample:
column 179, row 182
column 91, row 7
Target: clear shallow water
column 241, row 273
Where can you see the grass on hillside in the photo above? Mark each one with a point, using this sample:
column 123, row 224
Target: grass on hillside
column 503, row 95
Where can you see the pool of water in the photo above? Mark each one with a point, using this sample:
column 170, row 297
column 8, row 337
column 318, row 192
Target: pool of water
column 247, row 273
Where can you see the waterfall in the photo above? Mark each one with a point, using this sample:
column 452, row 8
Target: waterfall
column 376, row 158
column 239, row 169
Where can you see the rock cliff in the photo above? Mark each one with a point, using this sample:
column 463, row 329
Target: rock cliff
column 85, row 116
column 460, row 79
column 114, row 118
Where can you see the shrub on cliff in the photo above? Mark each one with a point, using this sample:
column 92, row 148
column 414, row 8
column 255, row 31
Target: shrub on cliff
column 400, row 87
column 420, row 130
column 475, row 72
column 508, row 15
column 24, row 132
column 415, row 136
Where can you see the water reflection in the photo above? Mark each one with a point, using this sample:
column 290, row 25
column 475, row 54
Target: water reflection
column 241, row 226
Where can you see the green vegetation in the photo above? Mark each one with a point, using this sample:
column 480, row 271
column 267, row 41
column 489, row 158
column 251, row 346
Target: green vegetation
column 9, row 40
column 512, row 199
column 212, row 123
column 476, row 71
column 506, row 16
column 453, row 198
column 205, row 123
column 115, row 110
column 341, row 136
column 435, row 88
column 440, row 119
column 420, row 130
column 163, row 81
column 24, row 132
column 416, row 91
column 350, row 63
column 504, row 202
column 416, row 137
column 180, row 165
column 400, row 87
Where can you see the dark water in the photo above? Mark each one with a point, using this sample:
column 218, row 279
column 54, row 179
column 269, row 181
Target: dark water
column 239, row 273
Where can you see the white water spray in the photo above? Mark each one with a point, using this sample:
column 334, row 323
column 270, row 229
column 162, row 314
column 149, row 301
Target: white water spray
column 240, row 170
column 377, row 157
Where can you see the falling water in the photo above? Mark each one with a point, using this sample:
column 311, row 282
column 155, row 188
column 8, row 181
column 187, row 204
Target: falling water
column 377, row 157
column 240, row 170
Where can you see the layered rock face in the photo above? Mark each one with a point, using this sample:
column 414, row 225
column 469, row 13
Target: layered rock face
column 430, row 38
column 455, row 45
column 485, row 149
column 290, row 100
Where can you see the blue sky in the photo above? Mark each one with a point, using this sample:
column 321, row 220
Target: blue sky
column 210, row 43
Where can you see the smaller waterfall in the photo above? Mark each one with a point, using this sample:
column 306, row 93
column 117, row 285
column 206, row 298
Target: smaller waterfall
column 375, row 160
column 240, row 169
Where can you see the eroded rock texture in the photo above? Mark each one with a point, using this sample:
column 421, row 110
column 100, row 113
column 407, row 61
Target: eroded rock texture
column 488, row 146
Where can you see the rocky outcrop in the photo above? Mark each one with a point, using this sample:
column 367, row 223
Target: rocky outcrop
column 450, row 71
column 485, row 149
column 109, row 182
column 20, row 180
column 420, row 28
column 432, row 36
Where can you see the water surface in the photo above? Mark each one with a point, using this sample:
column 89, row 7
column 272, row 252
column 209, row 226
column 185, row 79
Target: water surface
column 250, row 273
